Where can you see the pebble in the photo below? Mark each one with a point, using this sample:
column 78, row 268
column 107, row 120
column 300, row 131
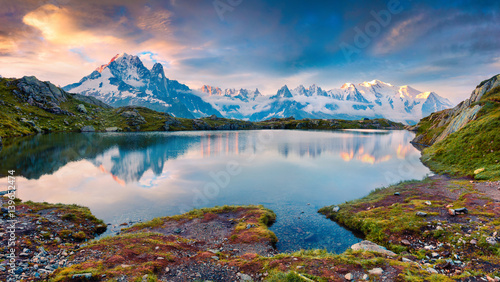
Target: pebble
column 349, row 276
column 421, row 214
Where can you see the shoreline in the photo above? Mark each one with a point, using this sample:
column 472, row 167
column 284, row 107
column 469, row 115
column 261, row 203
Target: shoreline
column 234, row 242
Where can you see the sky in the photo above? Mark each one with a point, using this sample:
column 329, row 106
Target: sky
column 444, row 46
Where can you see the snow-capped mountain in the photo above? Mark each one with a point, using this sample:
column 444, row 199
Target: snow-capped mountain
column 126, row 81
column 374, row 99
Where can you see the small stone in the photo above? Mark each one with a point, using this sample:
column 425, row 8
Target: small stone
column 245, row 277
column 435, row 255
column 365, row 277
column 405, row 242
column 439, row 228
column 167, row 270
column 473, row 241
column 370, row 246
column 215, row 257
column 376, row 271
column 397, row 194
column 428, row 203
column 348, row 276
column 335, row 209
column 406, row 260
column 422, row 214
column 432, row 270
column 160, row 258
column 451, row 212
column 491, row 240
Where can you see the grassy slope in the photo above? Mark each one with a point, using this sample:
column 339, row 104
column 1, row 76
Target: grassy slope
column 474, row 147
column 387, row 219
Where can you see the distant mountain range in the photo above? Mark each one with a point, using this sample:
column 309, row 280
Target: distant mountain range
column 126, row 81
column 374, row 99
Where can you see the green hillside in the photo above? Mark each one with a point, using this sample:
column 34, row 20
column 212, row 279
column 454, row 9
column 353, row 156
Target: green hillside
column 467, row 138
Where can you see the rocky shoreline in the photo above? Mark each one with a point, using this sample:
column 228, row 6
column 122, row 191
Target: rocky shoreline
column 448, row 227
column 418, row 240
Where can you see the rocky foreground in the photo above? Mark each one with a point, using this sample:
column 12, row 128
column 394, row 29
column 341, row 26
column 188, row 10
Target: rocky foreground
column 448, row 228
column 439, row 229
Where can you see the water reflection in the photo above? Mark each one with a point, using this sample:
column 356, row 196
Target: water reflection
column 130, row 177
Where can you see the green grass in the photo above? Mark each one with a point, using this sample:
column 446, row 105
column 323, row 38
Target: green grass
column 476, row 146
column 472, row 151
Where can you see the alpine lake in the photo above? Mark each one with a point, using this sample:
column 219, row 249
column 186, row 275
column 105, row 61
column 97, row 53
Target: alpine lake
column 134, row 177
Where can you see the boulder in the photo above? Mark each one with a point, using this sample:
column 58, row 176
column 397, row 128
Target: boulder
column 133, row 118
column 81, row 108
column 200, row 125
column 112, row 129
column 87, row 128
column 372, row 247
column 29, row 122
column 130, row 114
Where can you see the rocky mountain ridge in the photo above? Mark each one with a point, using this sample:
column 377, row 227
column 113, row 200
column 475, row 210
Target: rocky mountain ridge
column 125, row 81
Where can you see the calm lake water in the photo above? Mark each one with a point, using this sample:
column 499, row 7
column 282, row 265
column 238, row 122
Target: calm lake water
column 130, row 177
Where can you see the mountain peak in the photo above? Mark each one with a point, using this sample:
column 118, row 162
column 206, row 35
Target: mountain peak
column 347, row 85
column 375, row 82
column 283, row 92
column 102, row 67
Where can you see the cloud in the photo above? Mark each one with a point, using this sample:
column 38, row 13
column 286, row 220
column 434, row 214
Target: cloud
column 7, row 46
column 404, row 33
column 59, row 26
column 154, row 20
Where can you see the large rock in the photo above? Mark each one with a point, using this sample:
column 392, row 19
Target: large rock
column 133, row 118
column 372, row 247
column 81, row 108
column 87, row 128
column 43, row 95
